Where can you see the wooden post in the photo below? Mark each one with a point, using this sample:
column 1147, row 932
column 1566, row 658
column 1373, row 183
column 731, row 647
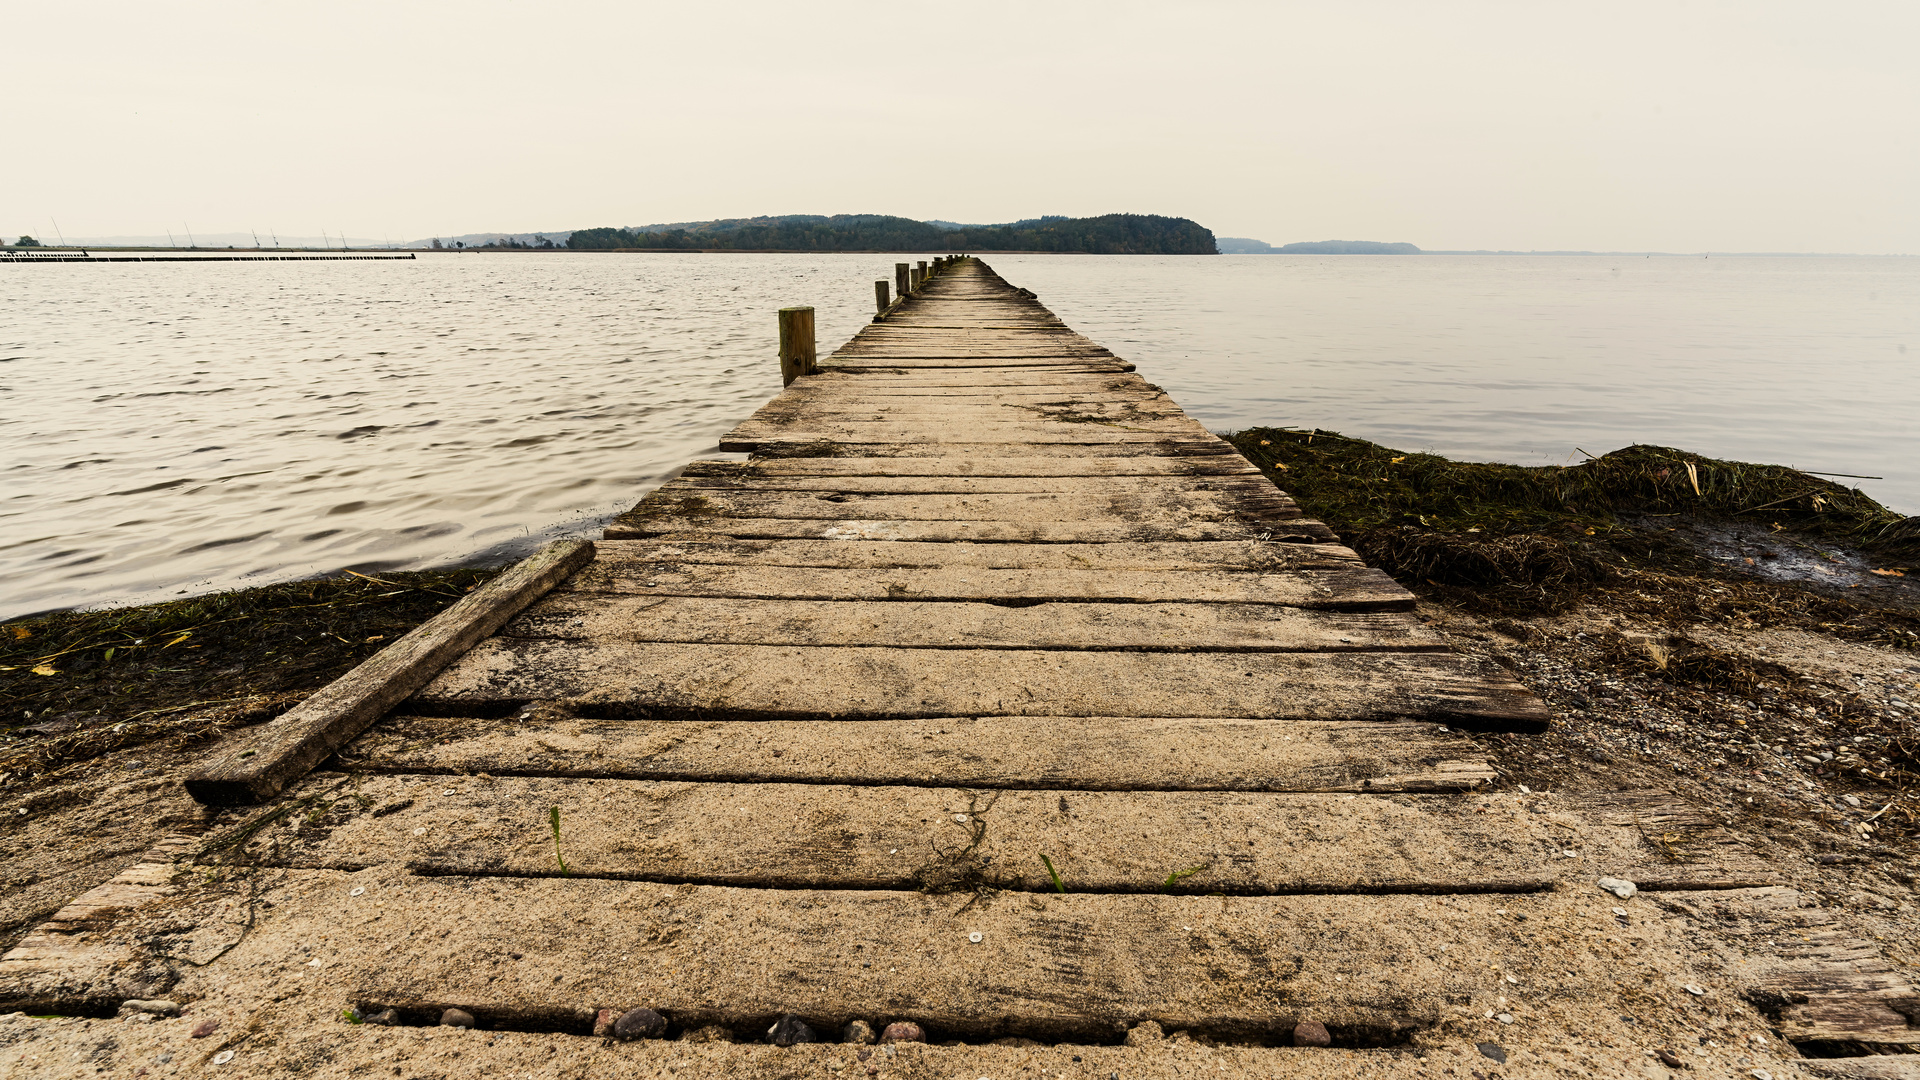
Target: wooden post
column 914, row 278
column 880, row 297
column 901, row 286
column 923, row 270
column 796, row 343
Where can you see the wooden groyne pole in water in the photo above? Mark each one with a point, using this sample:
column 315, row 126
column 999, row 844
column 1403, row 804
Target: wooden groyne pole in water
column 796, row 343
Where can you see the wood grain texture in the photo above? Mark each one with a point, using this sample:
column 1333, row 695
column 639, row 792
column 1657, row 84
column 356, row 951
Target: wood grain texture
column 1090, row 753
column 645, row 680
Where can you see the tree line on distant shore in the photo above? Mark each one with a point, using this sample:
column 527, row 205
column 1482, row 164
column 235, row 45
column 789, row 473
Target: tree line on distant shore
column 1109, row 234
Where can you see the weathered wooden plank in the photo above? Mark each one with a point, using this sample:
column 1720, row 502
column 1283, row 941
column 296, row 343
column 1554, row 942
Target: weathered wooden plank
column 629, row 557
column 1132, row 465
column 1009, row 532
column 1837, row 986
column 901, row 837
column 1070, row 408
column 722, row 482
column 720, row 682
column 257, row 765
column 1118, row 505
column 1165, row 447
column 1339, row 587
column 958, row 432
column 1178, row 627
column 1072, row 967
column 68, row 964
column 1093, row 753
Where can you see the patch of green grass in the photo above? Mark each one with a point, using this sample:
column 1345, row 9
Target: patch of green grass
column 553, row 818
column 1058, row 885
column 1179, row 876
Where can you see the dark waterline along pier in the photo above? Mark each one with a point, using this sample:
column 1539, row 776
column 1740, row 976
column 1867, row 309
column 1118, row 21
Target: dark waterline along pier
column 993, row 693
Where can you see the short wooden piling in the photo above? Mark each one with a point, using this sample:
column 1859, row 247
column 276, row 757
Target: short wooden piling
column 880, row 297
column 923, row 270
column 914, row 278
column 900, row 282
column 796, row 343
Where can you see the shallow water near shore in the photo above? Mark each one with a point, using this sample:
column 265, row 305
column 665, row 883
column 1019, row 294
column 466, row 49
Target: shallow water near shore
column 173, row 428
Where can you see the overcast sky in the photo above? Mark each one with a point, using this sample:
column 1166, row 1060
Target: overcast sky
column 1745, row 126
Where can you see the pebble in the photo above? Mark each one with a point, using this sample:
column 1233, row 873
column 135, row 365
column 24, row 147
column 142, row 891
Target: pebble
column 456, row 1018
column 1145, row 1033
column 790, row 1030
column 207, row 1027
column 976, row 937
column 1761, row 1074
column 223, row 1057
column 640, row 1024
column 1619, row 887
column 903, row 1031
column 1505, row 1018
column 1694, row 990
column 858, row 1032
column 603, row 1023
column 1668, row 1059
column 152, row 1007
column 1311, row 1033
column 384, row 1018
column 1493, row 1050
column 357, row 890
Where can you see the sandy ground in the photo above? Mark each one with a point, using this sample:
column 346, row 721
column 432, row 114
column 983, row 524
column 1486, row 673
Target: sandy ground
column 1801, row 762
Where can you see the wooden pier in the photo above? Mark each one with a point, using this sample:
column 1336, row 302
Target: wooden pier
column 992, row 693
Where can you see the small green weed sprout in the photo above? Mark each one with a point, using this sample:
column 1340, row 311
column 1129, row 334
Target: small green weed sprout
column 1058, row 885
column 553, row 817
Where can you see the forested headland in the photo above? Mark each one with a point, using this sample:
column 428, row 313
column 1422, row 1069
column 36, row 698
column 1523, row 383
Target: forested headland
column 1109, row 234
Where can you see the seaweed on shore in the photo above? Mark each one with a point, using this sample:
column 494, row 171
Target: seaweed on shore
column 85, row 682
column 1518, row 540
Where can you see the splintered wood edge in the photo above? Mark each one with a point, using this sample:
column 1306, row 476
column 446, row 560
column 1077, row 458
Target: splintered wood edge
column 260, row 765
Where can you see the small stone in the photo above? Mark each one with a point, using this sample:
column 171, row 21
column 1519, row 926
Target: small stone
column 456, row 1018
column 1311, row 1033
column 225, row 1056
column 1145, row 1033
column 976, row 937
column 357, row 890
column 603, row 1023
column 1761, row 1074
column 1493, row 1050
column 640, row 1024
column 385, row 1018
column 790, row 1030
column 903, row 1031
column 1668, row 1059
column 858, row 1032
column 960, row 819
column 1618, row 887
column 1694, row 990
column 207, row 1027
column 1505, row 1018
column 152, row 1007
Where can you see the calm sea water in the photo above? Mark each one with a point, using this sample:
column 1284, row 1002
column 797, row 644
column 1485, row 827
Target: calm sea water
column 172, row 428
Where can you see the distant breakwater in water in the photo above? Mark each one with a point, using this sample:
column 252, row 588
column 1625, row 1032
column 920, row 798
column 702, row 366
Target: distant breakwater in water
column 176, row 429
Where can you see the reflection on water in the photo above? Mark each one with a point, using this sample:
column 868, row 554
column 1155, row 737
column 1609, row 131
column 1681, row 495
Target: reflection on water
column 172, row 428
